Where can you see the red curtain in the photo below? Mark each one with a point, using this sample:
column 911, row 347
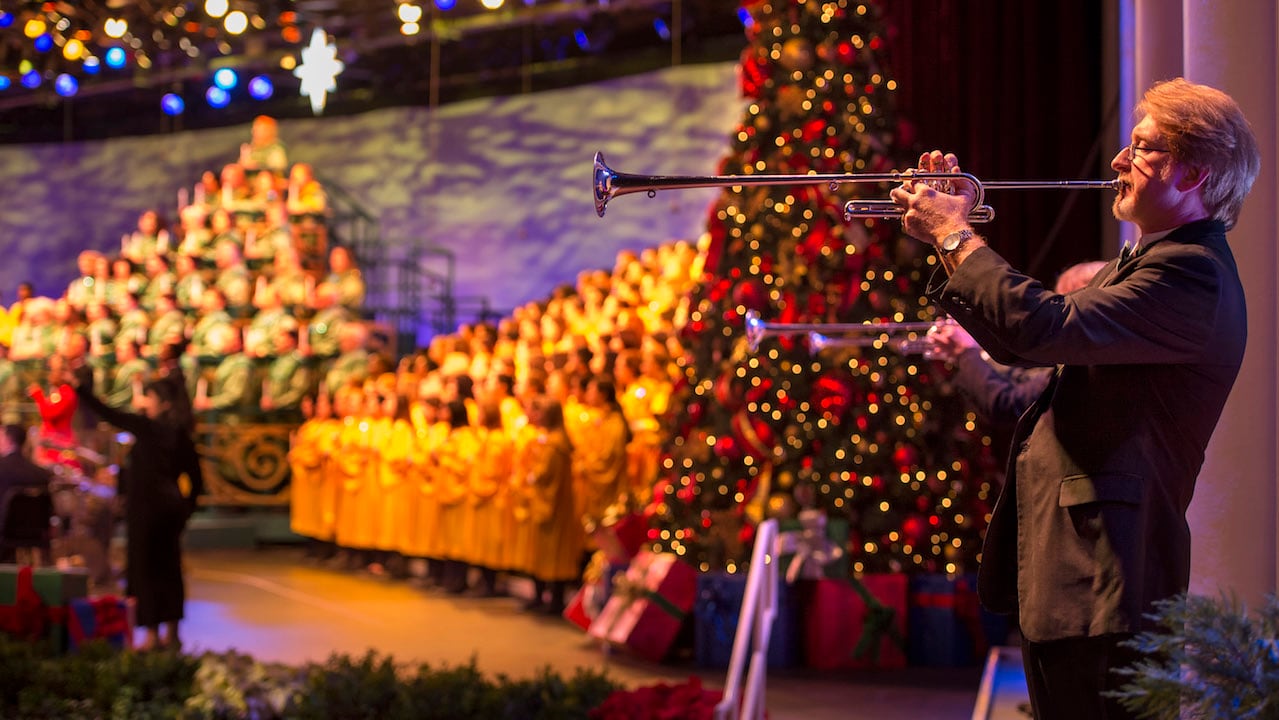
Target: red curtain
column 1014, row 89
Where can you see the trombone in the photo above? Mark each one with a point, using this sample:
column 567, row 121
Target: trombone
column 903, row 337
column 609, row 183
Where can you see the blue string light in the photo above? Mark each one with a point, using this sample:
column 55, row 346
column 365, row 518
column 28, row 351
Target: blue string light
column 172, row 104
column 5, row 82
column 217, row 97
column 6, row 19
column 445, row 4
column 66, row 85
column 44, row 42
column 226, row 78
column 31, row 80
column 260, row 88
column 663, row 30
column 116, row 57
column 92, row 65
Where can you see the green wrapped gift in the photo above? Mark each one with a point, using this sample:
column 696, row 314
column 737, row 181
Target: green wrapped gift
column 56, row 589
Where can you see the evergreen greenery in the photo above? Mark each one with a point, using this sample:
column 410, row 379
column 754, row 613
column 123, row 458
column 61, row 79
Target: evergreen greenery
column 1211, row 659
column 100, row 683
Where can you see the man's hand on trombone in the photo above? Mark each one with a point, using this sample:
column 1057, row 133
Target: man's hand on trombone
column 936, row 211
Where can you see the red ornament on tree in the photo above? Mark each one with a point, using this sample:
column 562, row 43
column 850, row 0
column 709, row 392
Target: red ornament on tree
column 755, row 437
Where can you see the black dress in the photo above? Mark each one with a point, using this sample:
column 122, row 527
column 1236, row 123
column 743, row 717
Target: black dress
column 156, row 512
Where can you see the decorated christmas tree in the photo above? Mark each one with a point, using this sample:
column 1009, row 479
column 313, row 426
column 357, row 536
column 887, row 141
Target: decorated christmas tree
column 868, row 434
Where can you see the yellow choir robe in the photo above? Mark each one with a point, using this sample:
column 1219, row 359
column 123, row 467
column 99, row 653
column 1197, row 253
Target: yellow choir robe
column 519, row 550
column 556, row 535
column 306, row 463
column 393, row 471
column 452, row 489
column 330, row 490
column 353, row 469
column 599, row 463
column 488, row 501
column 643, row 402
column 424, row 537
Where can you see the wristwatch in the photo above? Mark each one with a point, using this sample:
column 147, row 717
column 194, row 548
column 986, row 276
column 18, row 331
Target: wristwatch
column 955, row 240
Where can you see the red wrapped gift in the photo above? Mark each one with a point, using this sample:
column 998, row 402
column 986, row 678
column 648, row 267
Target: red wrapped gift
column 649, row 603
column 857, row 623
column 620, row 537
column 106, row 617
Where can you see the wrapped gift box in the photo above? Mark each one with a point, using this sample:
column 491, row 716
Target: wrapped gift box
column 718, row 610
column 812, row 546
column 590, row 599
column 620, row 537
column 106, row 617
column 649, row 604
column 53, row 590
column 948, row 628
column 856, row 623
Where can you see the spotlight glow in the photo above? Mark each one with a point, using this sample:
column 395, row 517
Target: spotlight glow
column 491, row 4
column 73, row 49
column 31, row 80
column 172, row 104
column 215, row 8
column 236, row 22
column 260, row 88
column 116, row 57
column 66, row 85
column 115, row 27
column 217, row 97
column 409, row 13
column 226, row 79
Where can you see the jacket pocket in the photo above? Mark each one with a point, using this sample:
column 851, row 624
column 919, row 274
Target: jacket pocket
column 1102, row 487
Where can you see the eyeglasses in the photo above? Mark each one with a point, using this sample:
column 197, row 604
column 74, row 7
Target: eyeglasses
column 1134, row 148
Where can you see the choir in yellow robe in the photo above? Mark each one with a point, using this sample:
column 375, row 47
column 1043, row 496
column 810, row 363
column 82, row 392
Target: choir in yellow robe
column 518, row 556
column 308, row 454
column 452, row 490
column 642, row 403
column 425, row 537
column 488, row 501
column 555, row 550
column 397, row 492
column 599, row 463
column 353, row 470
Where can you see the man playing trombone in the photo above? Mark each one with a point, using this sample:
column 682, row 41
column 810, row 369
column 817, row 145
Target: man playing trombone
column 1090, row 528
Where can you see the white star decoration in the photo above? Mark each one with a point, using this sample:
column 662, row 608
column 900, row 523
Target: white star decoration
column 319, row 70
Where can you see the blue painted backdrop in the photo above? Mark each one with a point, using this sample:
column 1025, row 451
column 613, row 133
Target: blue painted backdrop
column 505, row 182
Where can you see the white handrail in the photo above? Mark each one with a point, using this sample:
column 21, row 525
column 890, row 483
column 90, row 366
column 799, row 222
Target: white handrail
column 754, row 625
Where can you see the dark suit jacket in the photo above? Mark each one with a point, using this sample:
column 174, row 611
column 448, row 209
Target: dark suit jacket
column 18, row 471
column 1090, row 528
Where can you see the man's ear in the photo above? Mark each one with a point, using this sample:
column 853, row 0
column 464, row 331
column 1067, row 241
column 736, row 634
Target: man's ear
column 1192, row 178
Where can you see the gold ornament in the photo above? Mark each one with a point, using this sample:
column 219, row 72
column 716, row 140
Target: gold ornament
column 797, row 54
column 781, row 505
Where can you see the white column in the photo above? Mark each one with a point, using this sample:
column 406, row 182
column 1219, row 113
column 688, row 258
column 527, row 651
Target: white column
column 1231, row 45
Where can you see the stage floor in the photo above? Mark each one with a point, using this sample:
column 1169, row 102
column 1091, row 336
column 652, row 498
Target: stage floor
column 273, row 605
